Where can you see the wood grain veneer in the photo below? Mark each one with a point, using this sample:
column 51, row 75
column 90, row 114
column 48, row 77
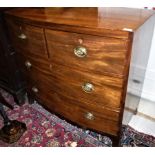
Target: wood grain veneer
column 104, row 55
column 100, row 20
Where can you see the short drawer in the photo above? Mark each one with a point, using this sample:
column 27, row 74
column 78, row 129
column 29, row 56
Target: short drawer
column 99, row 119
column 86, row 52
column 27, row 39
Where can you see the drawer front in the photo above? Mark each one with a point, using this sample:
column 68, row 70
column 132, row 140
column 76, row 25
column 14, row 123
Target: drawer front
column 27, row 39
column 101, row 120
column 87, row 52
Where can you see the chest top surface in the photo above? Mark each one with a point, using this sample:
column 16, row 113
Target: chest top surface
column 111, row 18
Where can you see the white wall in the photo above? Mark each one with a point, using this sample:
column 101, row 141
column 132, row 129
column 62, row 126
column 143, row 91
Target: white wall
column 149, row 83
column 143, row 49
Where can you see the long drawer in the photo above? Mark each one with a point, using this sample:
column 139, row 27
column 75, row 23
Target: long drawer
column 87, row 53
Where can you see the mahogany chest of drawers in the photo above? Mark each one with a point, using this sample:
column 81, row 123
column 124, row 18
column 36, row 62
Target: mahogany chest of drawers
column 76, row 60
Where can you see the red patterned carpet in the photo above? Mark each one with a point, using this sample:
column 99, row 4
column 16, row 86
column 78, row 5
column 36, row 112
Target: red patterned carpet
column 46, row 129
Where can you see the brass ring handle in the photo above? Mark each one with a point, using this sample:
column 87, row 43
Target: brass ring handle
column 88, row 87
column 80, row 51
column 89, row 116
column 35, row 90
column 28, row 64
column 22, row 36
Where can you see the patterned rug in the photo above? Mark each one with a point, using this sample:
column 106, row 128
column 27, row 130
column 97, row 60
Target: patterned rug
column 47, row 130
